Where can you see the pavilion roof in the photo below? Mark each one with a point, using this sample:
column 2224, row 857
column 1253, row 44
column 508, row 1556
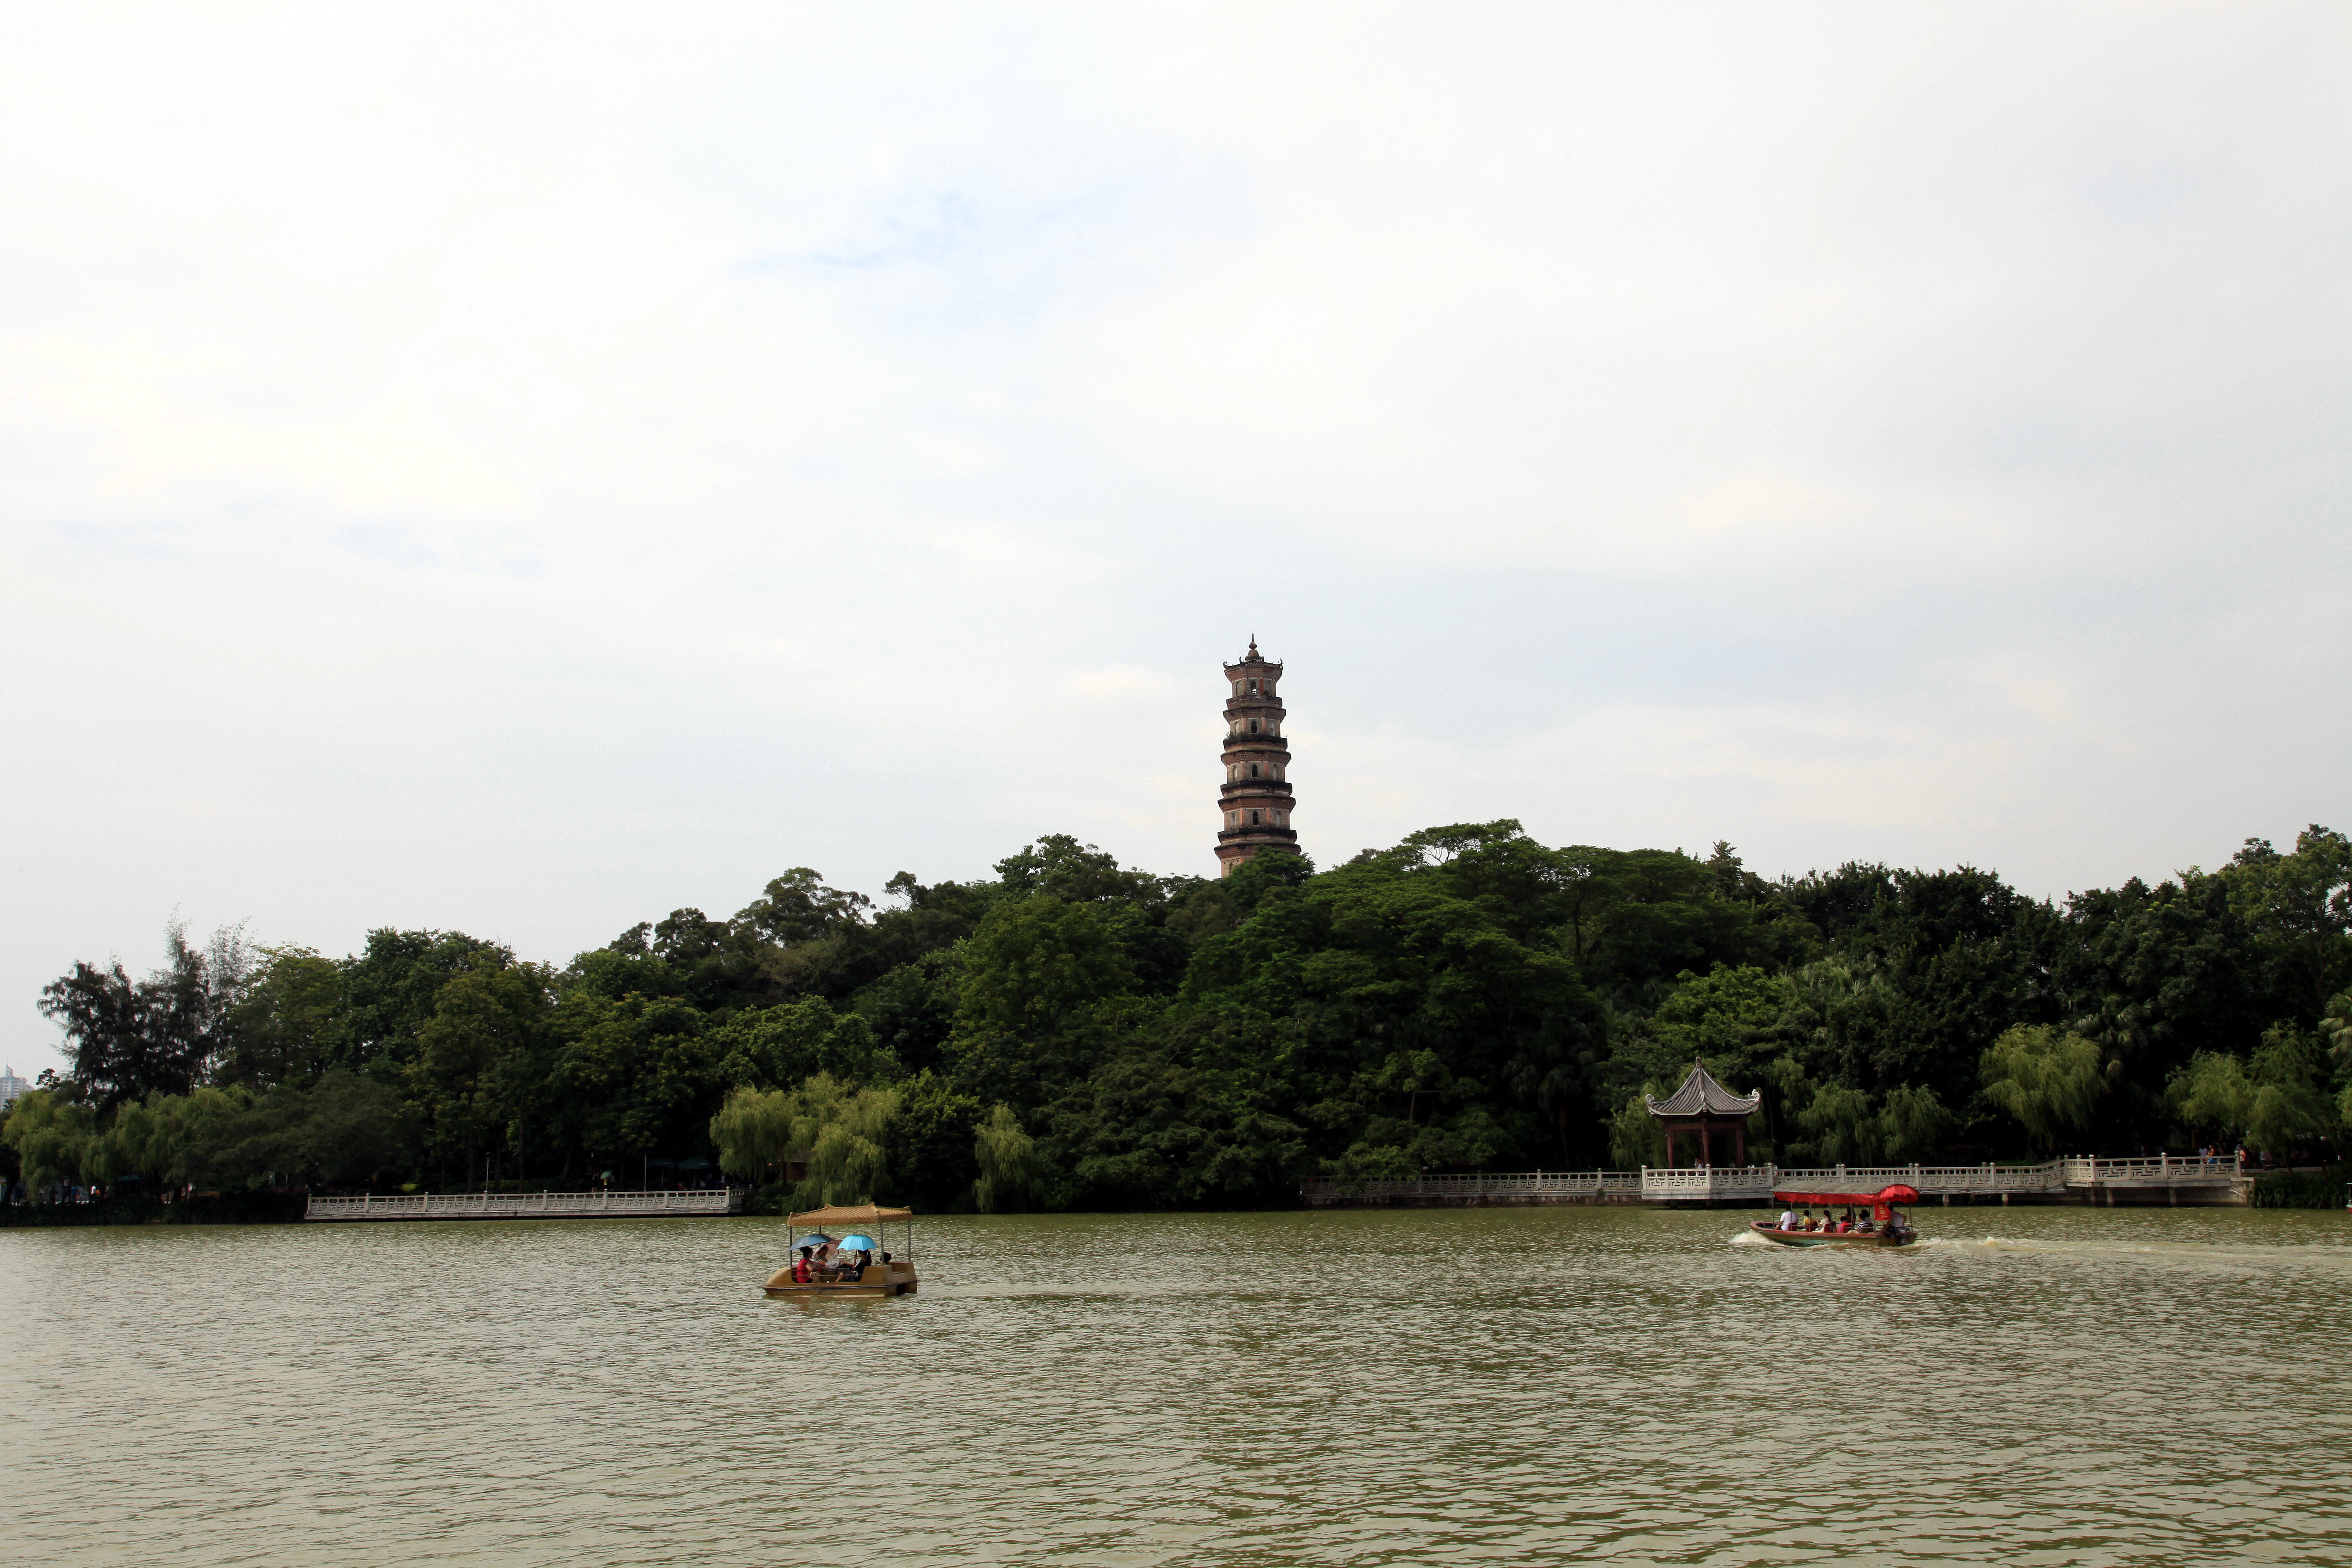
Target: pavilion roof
column 1700, row 1095
column 848, row 1214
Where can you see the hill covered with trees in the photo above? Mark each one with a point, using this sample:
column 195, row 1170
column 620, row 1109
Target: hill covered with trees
column 1076, row 1035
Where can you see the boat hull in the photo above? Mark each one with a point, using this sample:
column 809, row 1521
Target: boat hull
column 875, row 1285
column 1779, row 1237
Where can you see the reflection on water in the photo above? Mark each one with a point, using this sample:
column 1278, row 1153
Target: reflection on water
column 2028, row 1386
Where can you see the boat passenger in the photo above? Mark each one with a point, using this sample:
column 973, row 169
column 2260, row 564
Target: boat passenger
column 1787, row 1219
column 804, row 1270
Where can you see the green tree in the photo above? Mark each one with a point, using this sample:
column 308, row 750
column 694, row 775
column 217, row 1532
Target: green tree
column 848, row 1156
column 486, row 1019
column 354, row 1130
column 1913, row 1125
column 636, row 1076
column 54, row 1138
column 1034, row 966
column 834, row 1129
column 794, row 1040
column 1636, row 1138
column 391, row 989
column 2301, row 905
column 2048, row 1080
column 287, row 1022
column 1841, row 1126
column 932, row 1159
column 798, row 907
column 1059, row 866
column 128, row 1038
column 1147, row 1130
column 2276, row 1100
column 754, row 1133
column 1007, row 1157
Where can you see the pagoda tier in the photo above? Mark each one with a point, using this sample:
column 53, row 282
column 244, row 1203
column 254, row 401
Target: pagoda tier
column 1256, row 799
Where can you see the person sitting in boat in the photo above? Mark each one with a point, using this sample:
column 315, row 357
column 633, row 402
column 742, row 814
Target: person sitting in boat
column 803, row 1268
column 1788, row 1219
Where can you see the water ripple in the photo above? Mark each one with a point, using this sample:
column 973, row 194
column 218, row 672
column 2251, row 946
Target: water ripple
column 2028, row 1386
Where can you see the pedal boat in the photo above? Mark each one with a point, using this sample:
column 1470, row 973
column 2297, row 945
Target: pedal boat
column 1884, row 1231
column 896, row 1278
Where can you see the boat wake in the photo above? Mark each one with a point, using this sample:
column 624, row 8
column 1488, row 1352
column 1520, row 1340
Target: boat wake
column 2231, row 1256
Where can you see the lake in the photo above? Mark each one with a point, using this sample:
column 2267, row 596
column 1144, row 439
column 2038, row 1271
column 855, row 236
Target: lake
column 2029, row 1385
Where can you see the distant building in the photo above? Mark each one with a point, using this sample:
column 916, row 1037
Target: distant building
column 11, row 1087
column 1256, row 797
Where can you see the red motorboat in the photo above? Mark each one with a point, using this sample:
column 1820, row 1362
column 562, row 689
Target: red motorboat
column 1886, row 1227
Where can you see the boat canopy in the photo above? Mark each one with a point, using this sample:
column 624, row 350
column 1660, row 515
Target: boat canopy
column 1897, row 1194
column 853, row 1214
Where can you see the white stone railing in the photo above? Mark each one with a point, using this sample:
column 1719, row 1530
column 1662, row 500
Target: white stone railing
column 2161, row 1170
column 2051, row 1176
column 2048, row 1176
column 1707, row 1181
column 1759, row 1181
column 521, row 1206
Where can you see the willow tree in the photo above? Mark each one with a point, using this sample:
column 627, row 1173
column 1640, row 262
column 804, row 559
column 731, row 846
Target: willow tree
column 1009, row 1165
column 2047, row 1080
column 54, row 1139
column 2275, row 1101
column 753, row 1131
column 831, row 1126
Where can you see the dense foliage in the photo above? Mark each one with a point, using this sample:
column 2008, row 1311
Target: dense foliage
column 1073, row 1033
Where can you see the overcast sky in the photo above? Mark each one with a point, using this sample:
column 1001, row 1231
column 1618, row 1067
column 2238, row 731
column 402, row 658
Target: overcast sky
column 523, row 469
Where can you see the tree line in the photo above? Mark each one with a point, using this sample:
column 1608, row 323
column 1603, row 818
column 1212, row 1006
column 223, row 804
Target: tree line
column 1073, row 1033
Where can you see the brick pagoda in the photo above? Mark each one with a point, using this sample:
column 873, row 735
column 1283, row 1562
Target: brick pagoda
column 1257, row 798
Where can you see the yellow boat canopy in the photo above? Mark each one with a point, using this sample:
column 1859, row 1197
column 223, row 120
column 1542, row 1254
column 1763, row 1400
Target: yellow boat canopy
column 853, row 1214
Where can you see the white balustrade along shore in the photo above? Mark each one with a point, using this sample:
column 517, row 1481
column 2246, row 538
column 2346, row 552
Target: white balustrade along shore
column 525, row 1205
column 1708, row 1182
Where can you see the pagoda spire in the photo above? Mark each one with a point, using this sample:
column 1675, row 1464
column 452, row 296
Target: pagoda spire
column 1255, row 799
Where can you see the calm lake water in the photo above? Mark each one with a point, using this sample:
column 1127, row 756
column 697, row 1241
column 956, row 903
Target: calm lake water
column 2043, row 1386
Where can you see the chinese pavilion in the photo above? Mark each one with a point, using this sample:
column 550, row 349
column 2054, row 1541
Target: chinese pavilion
column 1708, row 1122
column 1255, row 797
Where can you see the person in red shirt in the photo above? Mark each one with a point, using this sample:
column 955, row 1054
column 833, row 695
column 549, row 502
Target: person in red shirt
column 803, row 1272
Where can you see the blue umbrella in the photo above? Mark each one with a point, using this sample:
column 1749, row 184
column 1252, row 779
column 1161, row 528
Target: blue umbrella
column 860, row 1243
column 819, row 1239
